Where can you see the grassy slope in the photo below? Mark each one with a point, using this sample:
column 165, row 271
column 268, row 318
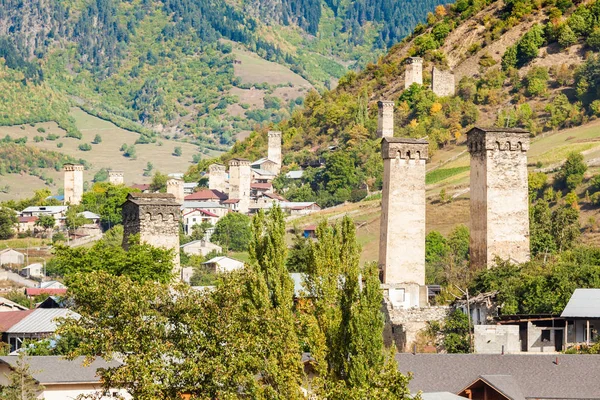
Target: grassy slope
column 103, row 155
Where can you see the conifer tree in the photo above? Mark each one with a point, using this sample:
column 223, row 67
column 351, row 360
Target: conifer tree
column 22, row 385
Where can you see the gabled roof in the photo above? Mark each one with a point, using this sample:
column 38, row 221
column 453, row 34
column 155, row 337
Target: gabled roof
column 39, row 320
column 10, row 318
column 24, row 220
column 574, row 376
column 8, row 303
column 89, row 215
column 584, row 303
column 45, row 209
column 207, row 213
column 6, row 251
column 193, row 204
column 504, row 384
column 206, row 194
column 223, row 261
column 231, row 201
column 34, row 265
column 263, row 172
column 261, row 186
column 274, row 196
column 140, row 186
column 262, row 161
column 52, row 370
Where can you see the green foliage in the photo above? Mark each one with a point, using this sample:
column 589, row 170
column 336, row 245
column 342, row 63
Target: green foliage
column 299, row 253
column 21, row 385
column 528, row 45
column 141, row 262
column 101, row 175
column 232, row 232
column 8, row 219
column 571, row 172
column 441, row 174
column 456, row 333
column 106, row 199
column 74, row 219
column 447, row 259
column 536, row 81
column 159, row 182
column 566, row 36
column 177, row 151
column 85, row 147
column 97, row 139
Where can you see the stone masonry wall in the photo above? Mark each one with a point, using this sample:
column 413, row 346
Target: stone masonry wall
column 274, row 150
column 216, row 177
column 385, row 120
column 442, row 82
column 73, row 183
column 413, row 72
column 240, row 179
column 499, row 195
column 402, row 237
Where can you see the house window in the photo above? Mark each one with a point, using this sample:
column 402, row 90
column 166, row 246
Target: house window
column 546, row 335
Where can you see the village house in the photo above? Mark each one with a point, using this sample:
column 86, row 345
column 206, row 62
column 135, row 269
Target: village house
column 33, row 292
column 220, row 209
column 52, row 285
column 200, row 248
column 197, row 217
column 11, row 257
column 582, row 317
column 507, row 377
column 297, row 208
column 189, row 187
column 223, row 264
column 58, row 212
column 61, row 379
column 18, row 326
column 206, row 195
column 35, row 270
column 27, row 224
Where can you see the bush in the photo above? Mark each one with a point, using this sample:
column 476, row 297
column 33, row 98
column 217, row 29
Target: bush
column 85, row 147
column 59, row 145
column 177, row 151
column 41, row 130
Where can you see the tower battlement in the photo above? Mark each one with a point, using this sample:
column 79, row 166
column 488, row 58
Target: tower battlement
column 116, row 177
column 404, row 149
column 497, row 139
column 73, row 167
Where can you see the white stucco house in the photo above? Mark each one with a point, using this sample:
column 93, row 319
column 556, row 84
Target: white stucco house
column 223, row 264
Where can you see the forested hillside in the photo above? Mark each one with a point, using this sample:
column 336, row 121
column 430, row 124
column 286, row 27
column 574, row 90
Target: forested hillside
column 177, row 67
column 517, row 63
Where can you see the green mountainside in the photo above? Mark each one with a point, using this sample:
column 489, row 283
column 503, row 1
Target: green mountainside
column 186, row 67
column 517, row 63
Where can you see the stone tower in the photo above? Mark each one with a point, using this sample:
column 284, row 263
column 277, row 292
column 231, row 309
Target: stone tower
column 499, row 195
column 73, row 189
column 442, row 82
column 175, row 187
column 274, row 151
column 240, row 178
column 402, row 241
column 116, row 177
column 385, row 120
column 413, row 72
column 155, row 217
column 216, row 177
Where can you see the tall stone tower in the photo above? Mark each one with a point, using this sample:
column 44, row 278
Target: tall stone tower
column 499, row 195
column 442, row 82
column 240, row 178
column 175, row 187
column 73, row 189
column 216, row 177
column 155, row 217
column 385, row 120
column 116, row 177
column 402, row 241
column 274, row 151
column 413, row 72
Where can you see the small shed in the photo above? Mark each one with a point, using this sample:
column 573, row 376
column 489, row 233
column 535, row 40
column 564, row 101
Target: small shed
column 35, row 270
column 582, row 316
column 10, row 256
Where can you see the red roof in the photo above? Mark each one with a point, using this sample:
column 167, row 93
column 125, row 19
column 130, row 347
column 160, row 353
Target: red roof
column 50, row 292
column 261, row 186
column 274, row 196
column 24, row 220
column 10, row 318
column 206, row 194
column 231, row 201
column 205, row 212
column 140, row 186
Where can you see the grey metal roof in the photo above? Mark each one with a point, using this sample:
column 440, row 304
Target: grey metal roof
column 295, row 174
column 41, row 320
column 45, row 209
column 263, row 172
column 201, row 204
column 49, row 370
column 575, row 376
column 584, row 303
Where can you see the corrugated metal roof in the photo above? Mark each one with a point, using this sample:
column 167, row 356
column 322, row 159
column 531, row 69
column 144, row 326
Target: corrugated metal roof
column 41, row 320
column 584, row 303
column 48, row 370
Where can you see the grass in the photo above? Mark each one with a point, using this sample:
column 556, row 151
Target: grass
column 441, row 174
column 103, row 155
column 254, row 69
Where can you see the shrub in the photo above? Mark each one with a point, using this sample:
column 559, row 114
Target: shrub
column 41, row 130
column 59, row 145
column 85, row 147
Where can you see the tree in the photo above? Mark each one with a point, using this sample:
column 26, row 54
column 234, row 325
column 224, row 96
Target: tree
column 540, row 228
column 97, row 139
column 8, row 219
column 344, row 323
column 142, row 262
column 456, row 333
column 74, row 219
column 177, row 151
column 47, row 222
column 106, row 200
column 21, row 385
column 199, row 230
column 565, row 227
column 159, row 182
column 299, row 254
column 232, row 232
column 566, row 36
column 572, row 171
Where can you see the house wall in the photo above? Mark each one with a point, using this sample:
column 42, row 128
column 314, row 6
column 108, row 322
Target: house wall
column 499, row 197
column 535, row 342
column 489, row 339
column 12, row 257
column 576, row 332
column 402, row 325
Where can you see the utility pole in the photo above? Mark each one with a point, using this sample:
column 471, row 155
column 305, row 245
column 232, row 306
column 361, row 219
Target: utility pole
column 466, row 293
